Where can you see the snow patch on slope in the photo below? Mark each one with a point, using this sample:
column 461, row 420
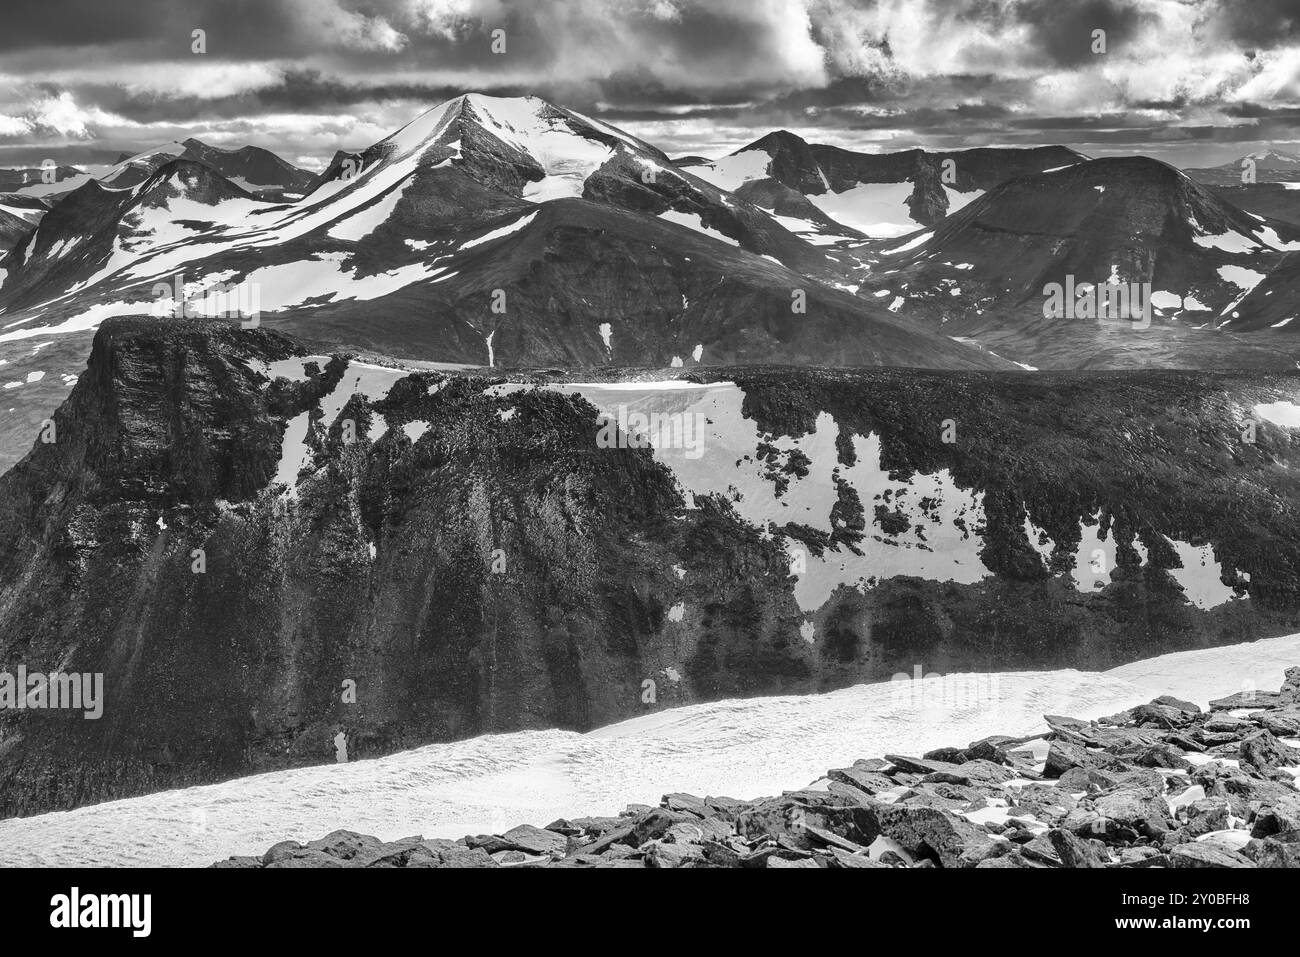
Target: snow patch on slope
column 877, row 210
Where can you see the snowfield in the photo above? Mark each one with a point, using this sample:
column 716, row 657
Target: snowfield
column 877, row 210
column 740, row 748
column 723, row 459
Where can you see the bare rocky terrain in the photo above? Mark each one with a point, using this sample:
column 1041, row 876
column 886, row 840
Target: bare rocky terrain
column 1162, row 785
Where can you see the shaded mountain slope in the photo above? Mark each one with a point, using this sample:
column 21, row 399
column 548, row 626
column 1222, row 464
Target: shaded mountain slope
column 474, row 560
column 95, row 230
column 658, row 290
column 988, row 268
column 1267, row 166
column 252, row 169
column 880, row 194
column 19, row 214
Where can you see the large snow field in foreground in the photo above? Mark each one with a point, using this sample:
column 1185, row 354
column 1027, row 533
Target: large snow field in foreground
column 740, row 748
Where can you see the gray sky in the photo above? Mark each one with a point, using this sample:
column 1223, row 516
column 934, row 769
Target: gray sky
column 1194, row 82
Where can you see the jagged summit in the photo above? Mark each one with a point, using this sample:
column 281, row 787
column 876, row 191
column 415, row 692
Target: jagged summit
column 1132, row 223
column 880, row 194
column 610, row 253
column 522, row 145
column 1269, row 159
column 254, row 170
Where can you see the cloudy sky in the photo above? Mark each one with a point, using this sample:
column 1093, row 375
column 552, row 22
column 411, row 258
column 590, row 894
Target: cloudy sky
column 1194, row 82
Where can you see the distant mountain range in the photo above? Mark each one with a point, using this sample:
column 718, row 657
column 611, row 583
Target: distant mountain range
column 1267, row 166
column 877, row 444
column 878, row 195
column 981, row 273
column 256, row 171
column 510, row 232
column 580, row 226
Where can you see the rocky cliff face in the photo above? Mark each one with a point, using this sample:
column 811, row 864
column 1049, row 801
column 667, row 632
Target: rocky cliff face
column 816, row 169
column 271, row 559
column 377, row 574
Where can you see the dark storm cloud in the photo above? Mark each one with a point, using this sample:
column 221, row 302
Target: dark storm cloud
column 1259, row 23
column 75, row 23
column 86, row 78
column 1065, row 30
column 155, row 29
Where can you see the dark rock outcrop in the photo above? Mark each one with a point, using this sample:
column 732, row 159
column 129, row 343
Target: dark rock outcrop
column 364, row 612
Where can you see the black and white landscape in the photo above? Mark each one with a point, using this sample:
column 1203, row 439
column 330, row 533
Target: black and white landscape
column 817, row 434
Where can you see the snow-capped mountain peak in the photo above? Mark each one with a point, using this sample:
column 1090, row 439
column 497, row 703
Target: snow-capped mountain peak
column 135, row 169
column 1274, row 159
column 553, row 149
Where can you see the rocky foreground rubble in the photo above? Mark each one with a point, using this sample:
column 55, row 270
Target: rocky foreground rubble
column 1164, row 784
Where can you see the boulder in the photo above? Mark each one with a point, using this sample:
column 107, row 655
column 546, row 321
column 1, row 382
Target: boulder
column 1076, row 852
column 1273, row 853
column 513, row 858
column 1247, row 699
column 653, row 824
column 760, row 857
column 308, row 858
column 440, row 852
column 1040, row 851
column 1063, row 756
column 1205, row 815
column 617, row 835
column 1184, row 742
column 1085, row 780
column 536, row 840
column 1289, row 696
column 1162, row 756
column 688, row 803
column 725, row 807
column 393, row 854
column 1284, row 724
column 947, row 755
column 919, row 765
column 1264, row 752
column 1224, row 722
column 666, row 854
column 280, row 851
column 1140, row 809
column 1276, row 823
column 862, row 776
column 1163, row 716
column 1169, row 701
column 346, row 845
column 843, row 858
column 786, row 817
column 565, row 827
column 1207, row 854
column 1242, row 790
column 699, row 832
column 931, row 833
column 1045, row 803
column 980, row 771
column 931, row 795
column 987, row 750
column 1141, row 856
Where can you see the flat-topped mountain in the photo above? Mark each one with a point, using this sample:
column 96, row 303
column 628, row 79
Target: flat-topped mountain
column 235, row 528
